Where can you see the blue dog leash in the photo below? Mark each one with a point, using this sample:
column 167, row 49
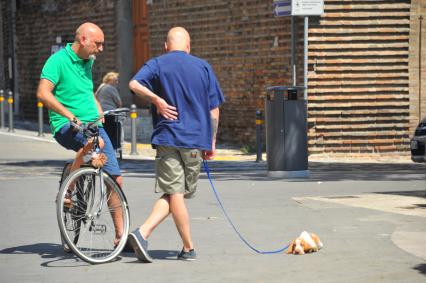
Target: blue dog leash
column 206, row 169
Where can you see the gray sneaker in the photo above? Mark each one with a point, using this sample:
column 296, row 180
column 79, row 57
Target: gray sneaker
column 140, row 246
column 189, row 256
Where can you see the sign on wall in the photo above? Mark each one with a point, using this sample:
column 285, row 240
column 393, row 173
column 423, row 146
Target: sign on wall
column 298, row 7
column 55, row 48
column 282, row 8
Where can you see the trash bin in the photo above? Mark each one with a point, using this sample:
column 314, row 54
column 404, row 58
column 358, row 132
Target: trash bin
column 286, row 132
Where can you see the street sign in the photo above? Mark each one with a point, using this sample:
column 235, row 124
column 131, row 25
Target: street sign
column 55, row 48
column 298, row 7
column 307, row 7
column 282, row 8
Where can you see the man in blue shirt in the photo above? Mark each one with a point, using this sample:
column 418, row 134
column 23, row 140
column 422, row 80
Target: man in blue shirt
column 186, row 96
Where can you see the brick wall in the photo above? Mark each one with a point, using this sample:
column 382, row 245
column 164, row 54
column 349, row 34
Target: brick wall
column 2, row 65
column 358, row 81
column 237, row 38
column 417, row 60
column 358, row 60
column 362, row 61
column 6, row 48
column 38, row 24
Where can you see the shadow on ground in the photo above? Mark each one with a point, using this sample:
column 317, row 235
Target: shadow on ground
column 421, row 268
column 419, row 194
column 155, row 254
column 248, row 170
column 53, row 252
column 323, row 171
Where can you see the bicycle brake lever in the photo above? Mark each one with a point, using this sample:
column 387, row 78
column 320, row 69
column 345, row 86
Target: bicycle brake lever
column 75, row 126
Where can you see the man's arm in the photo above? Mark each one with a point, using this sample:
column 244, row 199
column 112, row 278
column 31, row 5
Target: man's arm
column 214, row 116
column 100, row 111
column 45, row 95
column 167, row 111
column 98, row 105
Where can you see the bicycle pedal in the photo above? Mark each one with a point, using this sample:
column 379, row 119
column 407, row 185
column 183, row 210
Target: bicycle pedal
column 98, row 229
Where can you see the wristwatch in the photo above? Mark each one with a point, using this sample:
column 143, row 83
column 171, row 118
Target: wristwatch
column 74, row 120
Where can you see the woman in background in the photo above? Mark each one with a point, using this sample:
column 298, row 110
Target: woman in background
column 109, row 98
column 107, row 93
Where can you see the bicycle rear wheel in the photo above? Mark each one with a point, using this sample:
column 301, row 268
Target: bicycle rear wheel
column 94, row 226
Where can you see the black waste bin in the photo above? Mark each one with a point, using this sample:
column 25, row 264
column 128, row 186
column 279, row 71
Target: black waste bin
column 286, row 132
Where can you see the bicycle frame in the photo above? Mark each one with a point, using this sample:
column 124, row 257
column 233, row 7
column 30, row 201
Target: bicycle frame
column 103, row 193
column 85, row 129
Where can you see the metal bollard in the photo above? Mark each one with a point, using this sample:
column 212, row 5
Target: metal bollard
column 259, row 123
column 10, row 102
column 1, row 109
column 133, row 116
column 40, row 119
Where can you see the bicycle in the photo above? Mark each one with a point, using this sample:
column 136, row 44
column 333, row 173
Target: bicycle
column 91, row 206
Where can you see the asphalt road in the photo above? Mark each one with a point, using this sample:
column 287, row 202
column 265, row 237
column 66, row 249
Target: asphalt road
column 370, row 216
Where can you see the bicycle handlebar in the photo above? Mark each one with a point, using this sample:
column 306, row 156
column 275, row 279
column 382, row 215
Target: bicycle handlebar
column 118, row 111
column 89, row 128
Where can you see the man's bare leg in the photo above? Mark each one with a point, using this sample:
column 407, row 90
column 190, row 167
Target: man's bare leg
column 78, row 161
column 181, row 218
column 160, row 211
column 116, row 210
column 167, row 204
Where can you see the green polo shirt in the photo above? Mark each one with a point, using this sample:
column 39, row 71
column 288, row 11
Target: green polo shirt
column 72, row 77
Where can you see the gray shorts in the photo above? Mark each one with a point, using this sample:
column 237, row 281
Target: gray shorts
column 177, row 170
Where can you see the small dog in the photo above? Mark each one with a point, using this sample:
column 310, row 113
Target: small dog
column 98, row 159
column 305, row 243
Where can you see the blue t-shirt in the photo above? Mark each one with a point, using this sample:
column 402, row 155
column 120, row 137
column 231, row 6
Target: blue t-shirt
column 189, row 84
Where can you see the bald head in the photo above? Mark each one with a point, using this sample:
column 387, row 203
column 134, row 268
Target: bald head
column 87, row 30
column 89, row 40
column 178, row 39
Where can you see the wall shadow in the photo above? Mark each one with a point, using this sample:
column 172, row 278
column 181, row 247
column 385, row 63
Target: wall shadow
column 250, row 170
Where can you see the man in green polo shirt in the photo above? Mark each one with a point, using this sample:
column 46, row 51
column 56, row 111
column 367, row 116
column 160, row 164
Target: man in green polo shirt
column 66, row 89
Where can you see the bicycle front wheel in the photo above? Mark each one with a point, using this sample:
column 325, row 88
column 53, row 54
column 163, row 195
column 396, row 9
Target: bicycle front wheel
column 94, row 222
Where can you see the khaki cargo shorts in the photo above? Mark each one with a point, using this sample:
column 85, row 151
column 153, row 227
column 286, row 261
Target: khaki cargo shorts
column 177, row 170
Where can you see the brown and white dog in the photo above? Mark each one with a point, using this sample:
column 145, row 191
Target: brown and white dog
column 305, row 243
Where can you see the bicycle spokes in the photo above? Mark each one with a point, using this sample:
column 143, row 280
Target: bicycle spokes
column 96, row 224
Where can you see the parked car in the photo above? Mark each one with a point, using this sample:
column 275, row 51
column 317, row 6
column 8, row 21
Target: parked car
column 418, row 142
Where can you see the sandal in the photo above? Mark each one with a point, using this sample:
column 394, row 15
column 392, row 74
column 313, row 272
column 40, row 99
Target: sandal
column 67, row 200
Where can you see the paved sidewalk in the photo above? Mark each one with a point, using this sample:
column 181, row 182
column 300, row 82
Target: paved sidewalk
column 369, row 214
column 145, row 151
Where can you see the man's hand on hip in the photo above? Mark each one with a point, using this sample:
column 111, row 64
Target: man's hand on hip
column 164, row 109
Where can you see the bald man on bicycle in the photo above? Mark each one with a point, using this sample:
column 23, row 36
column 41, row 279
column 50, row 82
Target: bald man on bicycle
column 66, row 89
